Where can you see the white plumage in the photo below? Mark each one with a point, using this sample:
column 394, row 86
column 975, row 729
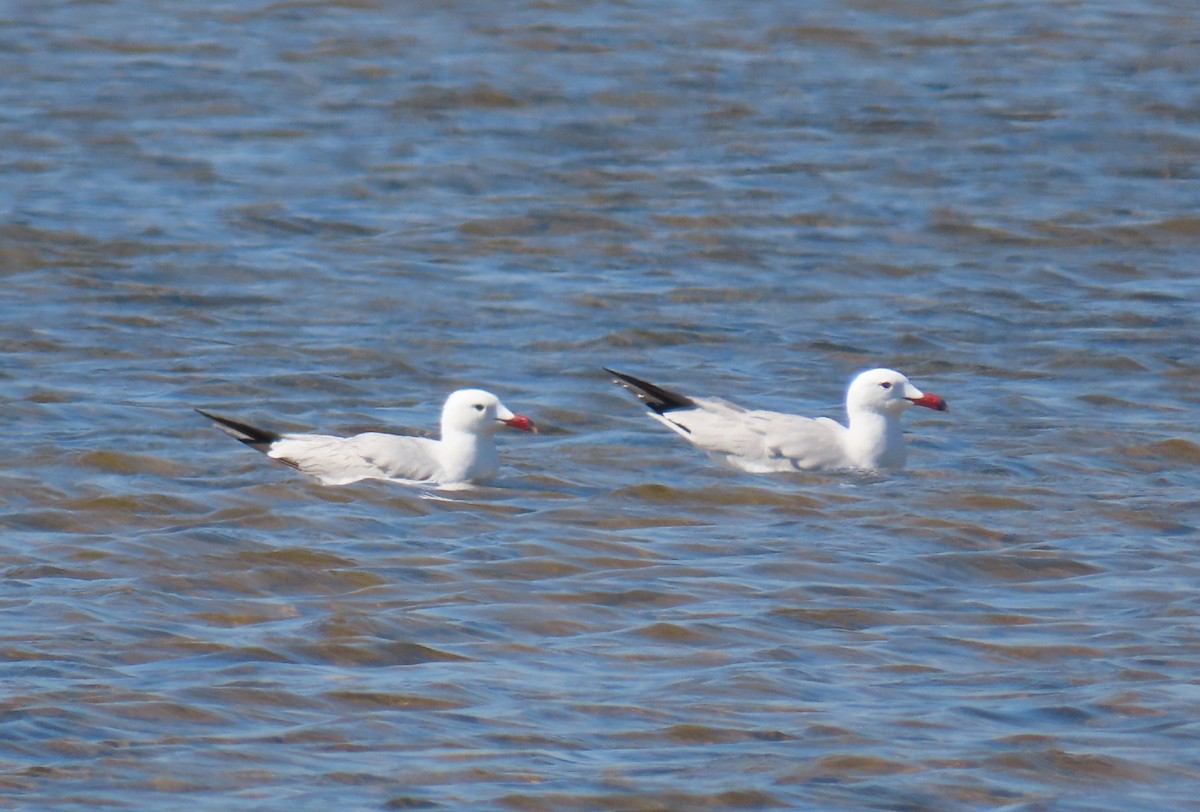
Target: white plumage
column 764, row 442
column 466, row 452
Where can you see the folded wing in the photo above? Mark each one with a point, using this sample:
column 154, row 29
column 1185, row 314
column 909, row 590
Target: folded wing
column 760, row 441
column 374, row 455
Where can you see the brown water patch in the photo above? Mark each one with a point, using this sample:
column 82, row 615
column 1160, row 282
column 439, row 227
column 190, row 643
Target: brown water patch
column 955, row 225
column 676, row 634
column 275, row 219
column 233, row 620
column 624, row 598
column 838, row 618
column 852, row 768
column 1175, row 450
column 24, row 249
column 1039, row 654
column 821, row 35
column 1018, row 566
column 530, row 569
column 545, row 224
column 150, row 709
column 1007, row 620
column 388, row 701
column 1127, row 704
column 641, row 338
column 563, row 41
column 642, row 801
column 434, row 99
column 374, row 654
column 691, row 734
column 1062, row 766
column 659, row 494
column 646, row 522
column 268, row 580
column 32, row 572
column 717, row 295
column 989, row 502
column 958, row 532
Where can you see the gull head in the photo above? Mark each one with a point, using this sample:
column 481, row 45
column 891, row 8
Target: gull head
column 886, row 391
column 474, row 411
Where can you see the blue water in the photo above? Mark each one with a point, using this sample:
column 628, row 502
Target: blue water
column 326, row 217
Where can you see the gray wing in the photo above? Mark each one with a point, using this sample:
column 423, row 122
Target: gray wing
column 806, row 443
column 342, row 460
column 760, row 441
column 716, row 426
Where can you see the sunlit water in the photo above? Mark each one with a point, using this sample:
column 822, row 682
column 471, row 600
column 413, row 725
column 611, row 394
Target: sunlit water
column 327, row 216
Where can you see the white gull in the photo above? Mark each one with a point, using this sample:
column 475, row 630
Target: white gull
column 466, row 452
column 767, row 442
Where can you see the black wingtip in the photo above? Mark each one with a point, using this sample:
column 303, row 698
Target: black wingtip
column 256, row 438
column 656, row 398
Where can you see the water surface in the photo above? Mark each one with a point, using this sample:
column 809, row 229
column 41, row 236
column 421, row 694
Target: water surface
column 327, row 216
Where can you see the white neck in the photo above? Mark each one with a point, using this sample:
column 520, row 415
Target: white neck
column 465, row 456
column 875, row 440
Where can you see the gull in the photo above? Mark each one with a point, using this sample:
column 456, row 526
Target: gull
column 767, row 442
column 465, row 454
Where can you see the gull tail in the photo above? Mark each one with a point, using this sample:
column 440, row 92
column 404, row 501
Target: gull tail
column 657, row 399
column 256, row 438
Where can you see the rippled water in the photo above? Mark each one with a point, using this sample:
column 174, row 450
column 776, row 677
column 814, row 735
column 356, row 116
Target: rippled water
column 327, row 215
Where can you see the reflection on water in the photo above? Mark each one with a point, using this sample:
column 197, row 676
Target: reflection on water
column 328, row 216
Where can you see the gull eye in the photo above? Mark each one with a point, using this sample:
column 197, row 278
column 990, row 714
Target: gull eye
column 886, row 385
column 479, row 407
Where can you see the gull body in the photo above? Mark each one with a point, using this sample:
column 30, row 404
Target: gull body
column 760, row 441
column 465, row 454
